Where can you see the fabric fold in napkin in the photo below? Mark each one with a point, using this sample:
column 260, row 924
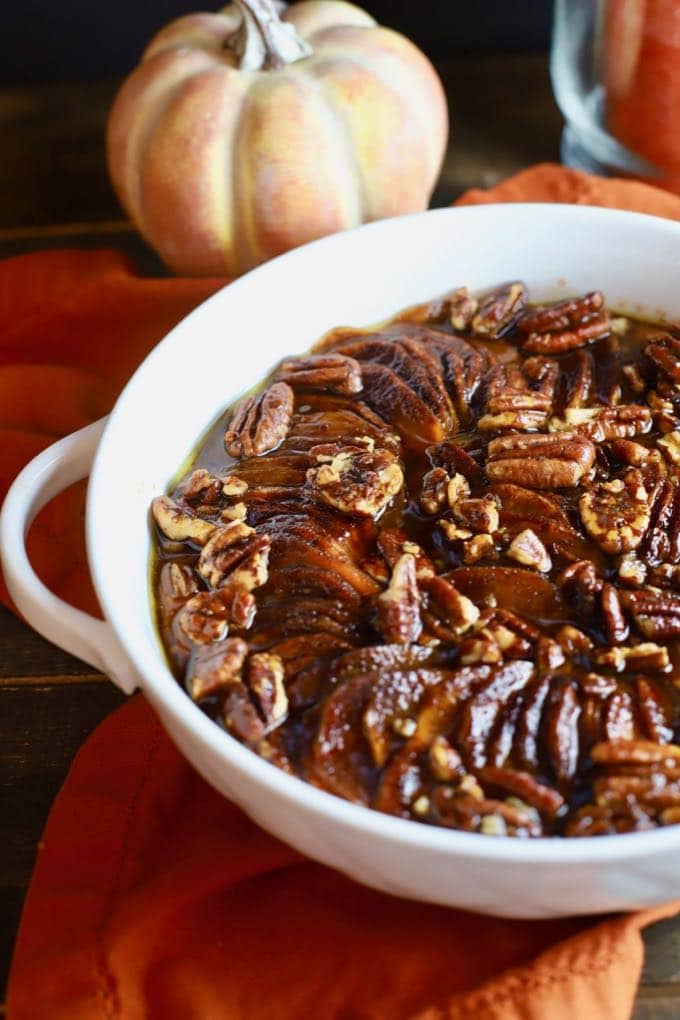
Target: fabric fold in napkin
column 155, row 899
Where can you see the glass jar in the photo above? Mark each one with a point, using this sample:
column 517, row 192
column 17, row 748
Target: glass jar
column 615, row 68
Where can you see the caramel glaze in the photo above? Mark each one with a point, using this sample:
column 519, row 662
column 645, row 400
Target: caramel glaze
column 500, row 743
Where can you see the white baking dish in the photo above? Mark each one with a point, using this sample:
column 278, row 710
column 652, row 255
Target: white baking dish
column 221, row 350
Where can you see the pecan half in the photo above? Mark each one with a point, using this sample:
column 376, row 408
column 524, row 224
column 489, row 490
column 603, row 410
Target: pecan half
column 603, row 423
column 206, row 616
column 399, row 605
column 333, row 372
column 520, row 398
column 260, row 423
column 616, row 514
column 355, row 481
column 540, row 461
column 569, row 339
column 561, row 315
column 657, row 616
column 235, row 556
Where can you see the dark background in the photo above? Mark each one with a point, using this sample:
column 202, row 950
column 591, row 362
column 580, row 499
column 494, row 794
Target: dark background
column 44, row 40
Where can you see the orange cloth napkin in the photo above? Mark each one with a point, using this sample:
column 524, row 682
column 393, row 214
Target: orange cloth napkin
column 155, row 899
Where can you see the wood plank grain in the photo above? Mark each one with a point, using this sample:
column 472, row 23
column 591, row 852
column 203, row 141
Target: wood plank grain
column 27, row 657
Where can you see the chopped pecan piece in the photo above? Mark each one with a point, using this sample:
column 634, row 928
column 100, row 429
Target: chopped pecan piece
column 445, row 762
column 480, row 515
column 454, row 532
column 260, row 424
column 334, row 372
column 201, row 490
column 457, row 489
column 355, row 481
column 670, row 444
column 631, row 571
column 540, row 461
column 265, row 680
column 232, row 485
column 664, row 353
column 461, row 308
column 393, row 543
column 647, row 657
column 177, row 583
column 663, row 411
column 498, row 309
column 180, row 525
column 433, row 493
column 477, row 548
column 527, row 549
column 235, row 556
column 616, row 514
column 214, row 667
column 235, row 512
column 446, row 613
column 399, row 605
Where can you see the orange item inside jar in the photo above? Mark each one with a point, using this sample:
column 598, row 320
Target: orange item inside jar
column 641, row 73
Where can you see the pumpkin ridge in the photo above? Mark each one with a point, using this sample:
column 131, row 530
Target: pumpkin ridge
column 341, row 122
column 244, row 226
column 309, row 160
column 146, row 137
column 365, row 61
column 129, row 183
column 215, row 228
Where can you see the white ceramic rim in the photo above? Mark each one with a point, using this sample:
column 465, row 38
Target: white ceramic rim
column 158, row 680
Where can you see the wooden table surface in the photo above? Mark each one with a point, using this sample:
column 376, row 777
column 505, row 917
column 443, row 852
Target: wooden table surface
column 54, row 192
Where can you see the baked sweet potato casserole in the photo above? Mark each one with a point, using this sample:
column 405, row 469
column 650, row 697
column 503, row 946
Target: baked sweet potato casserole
column 433, row 567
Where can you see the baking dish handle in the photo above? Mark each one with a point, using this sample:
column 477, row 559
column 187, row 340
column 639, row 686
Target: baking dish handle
column 84, row 636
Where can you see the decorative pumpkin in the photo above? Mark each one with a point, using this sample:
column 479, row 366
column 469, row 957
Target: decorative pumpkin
column 242, row 134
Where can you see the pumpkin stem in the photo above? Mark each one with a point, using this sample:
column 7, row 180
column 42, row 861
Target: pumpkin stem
column 263, row 41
